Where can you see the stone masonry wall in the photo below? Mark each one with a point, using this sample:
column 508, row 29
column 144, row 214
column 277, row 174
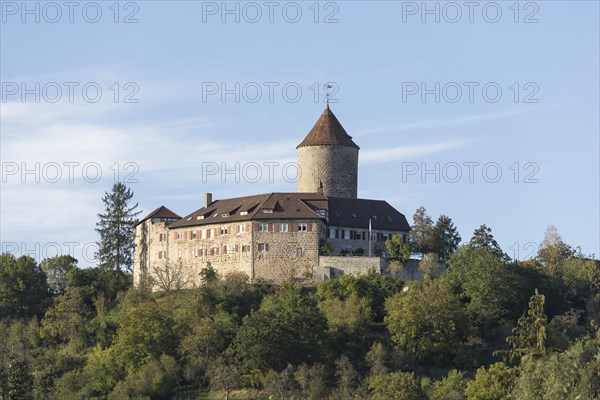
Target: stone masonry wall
column 335, row 166
column 282, row 261
column 335, row 266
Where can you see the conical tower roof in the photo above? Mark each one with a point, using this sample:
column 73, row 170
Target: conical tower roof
column 328, row 132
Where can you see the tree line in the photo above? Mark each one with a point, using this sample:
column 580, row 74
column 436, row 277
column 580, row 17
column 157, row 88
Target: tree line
column 487, row 328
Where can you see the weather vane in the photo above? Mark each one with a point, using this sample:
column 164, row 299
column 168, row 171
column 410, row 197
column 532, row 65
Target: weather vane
column 327, row 87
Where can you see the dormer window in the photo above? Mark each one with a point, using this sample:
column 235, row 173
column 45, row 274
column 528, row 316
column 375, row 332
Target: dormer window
column 267, row 210
column 225, row 215
column 200, row 217
column 215, row 214
column 244, row 213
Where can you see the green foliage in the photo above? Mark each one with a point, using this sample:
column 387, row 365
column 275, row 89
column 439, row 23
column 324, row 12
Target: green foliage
column 156, row 380
column 422, row 236
column 572, row 375
column 144, row 332
column 397, row 249
column 325, row 247
column 23, row 288
column 56, row 270
column 483, row 238
column 377, row 359
column 396, row 385
column 446, row 236
column 349, row 324
column 529, row 336
column 428, row 321
column 65, row 321
column 452, row 387
column 491, row 287
column 287, row 328
column 208, row 274
column 311, row 381
column 373, row 286
column 117, row 228
column 495, row 383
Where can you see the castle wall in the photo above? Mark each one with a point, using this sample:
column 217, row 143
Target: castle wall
column 282, row 259
column 335, row 266
column 335, row 166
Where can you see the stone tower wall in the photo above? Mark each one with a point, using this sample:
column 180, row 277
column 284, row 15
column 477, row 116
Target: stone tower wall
column 335, row 166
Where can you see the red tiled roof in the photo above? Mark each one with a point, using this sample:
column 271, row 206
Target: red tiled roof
column 328, row 131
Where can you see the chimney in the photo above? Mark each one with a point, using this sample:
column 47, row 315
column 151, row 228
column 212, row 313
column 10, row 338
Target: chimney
column 207, row 199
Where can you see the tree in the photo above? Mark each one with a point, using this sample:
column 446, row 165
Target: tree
column 553, row 251
column 156, row 379
column 429, row 266
column 347, row 378
column 397, row 386
column 377, row 359
column 208, row 274
column 18, row 379
column 428, row 321
column 170, row 276
column 224, row 375
column 495, row 383
column 396, row 248
column 482, row 237
column 56, row 269
column 349, row 323
column 144, row 332
column 447, row 237
column 422, row 235
column 116, row 228
column 65, row 321
column 529, row 336
column 311, row 379
column 24, row 291
column 491, row 287
column 287, row 328
column 452, row 387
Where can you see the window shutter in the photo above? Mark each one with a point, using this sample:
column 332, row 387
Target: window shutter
column 337, row 233
column 174, row 235
column 236, row 248
column 266, row 246
column 255, row 227
column 309, row 227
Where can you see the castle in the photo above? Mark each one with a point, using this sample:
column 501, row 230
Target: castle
column 321, row 231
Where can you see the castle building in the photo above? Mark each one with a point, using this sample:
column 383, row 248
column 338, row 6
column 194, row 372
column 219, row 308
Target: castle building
column 320, row 231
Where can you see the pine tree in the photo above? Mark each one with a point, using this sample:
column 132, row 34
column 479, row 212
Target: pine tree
column 116, row 228
column 529, row 336
column 18, row 379
column 482, row 237
column 447, row 237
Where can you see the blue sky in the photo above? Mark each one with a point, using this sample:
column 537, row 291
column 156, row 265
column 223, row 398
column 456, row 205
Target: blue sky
column 540, row 130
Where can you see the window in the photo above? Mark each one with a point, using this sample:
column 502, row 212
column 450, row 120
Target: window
column 194, row 235
column 302, row 227
column 242, row 228
column 203, row 233
column 263, row 227
column 162, row 254
column 262, row 247
column 179, row 235
column 179, row 253
column 162, row 237
column 208, row 233
column 197, row 252
column 230, row 249
column 332, row 233
column 214, row 251
column 299, row 251
column 346, row 234
column 267, row 210
column 224, row 230
column 363, row 236
column 246, row 248
column 282, row 227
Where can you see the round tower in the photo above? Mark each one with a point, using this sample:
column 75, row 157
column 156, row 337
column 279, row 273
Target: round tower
column 328, row 159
